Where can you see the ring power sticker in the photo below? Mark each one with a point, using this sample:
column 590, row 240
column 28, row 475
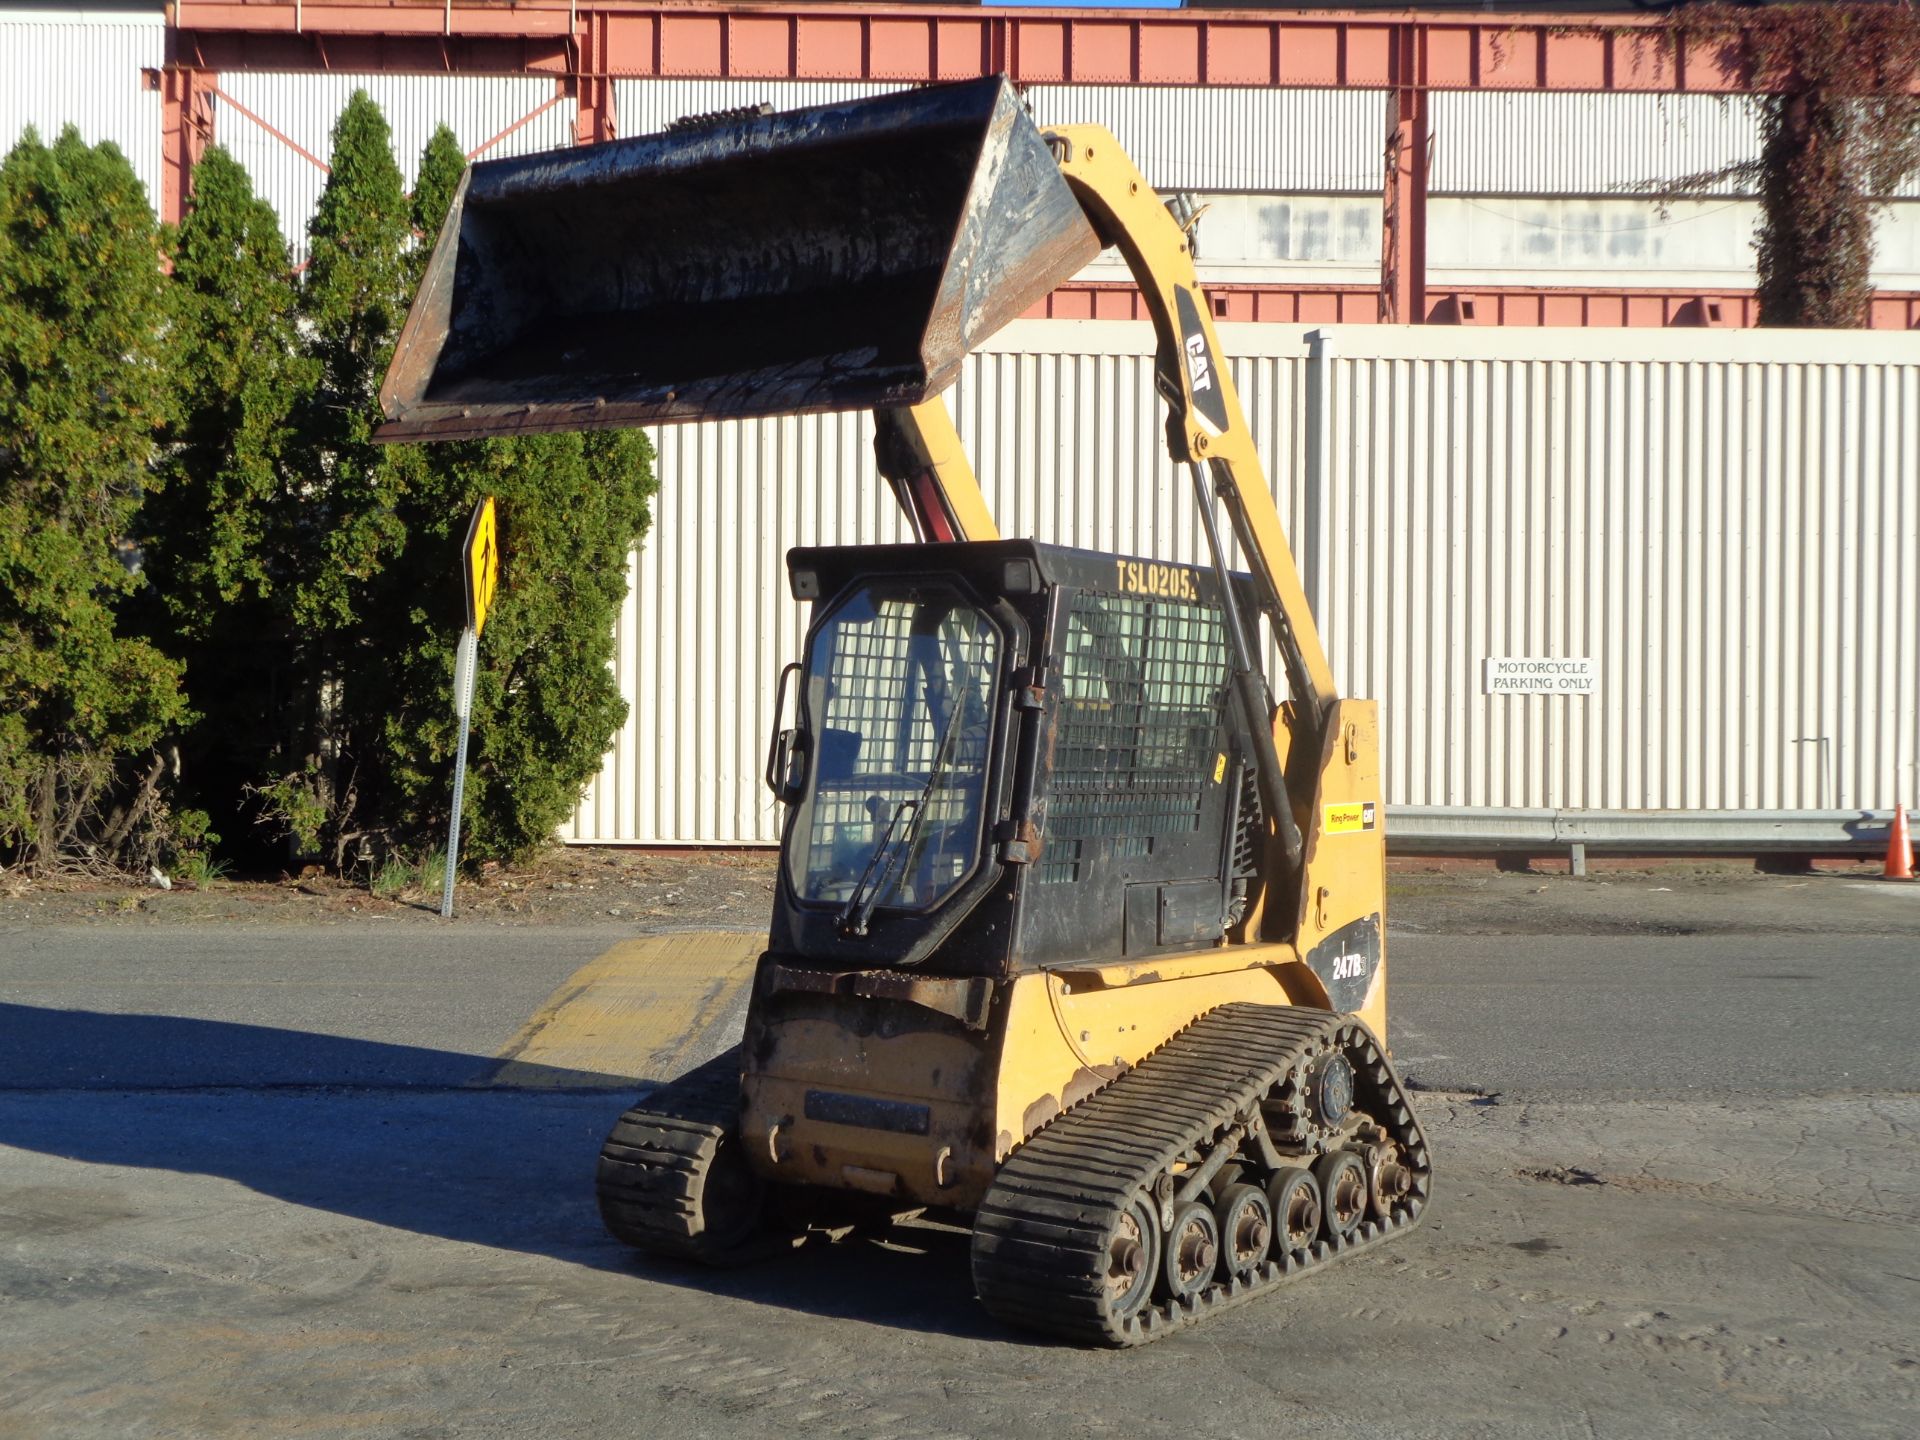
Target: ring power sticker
column 1351, row 818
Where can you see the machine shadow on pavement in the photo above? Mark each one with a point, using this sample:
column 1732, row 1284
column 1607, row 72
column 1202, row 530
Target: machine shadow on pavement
column 916, row 1279
column 412, row 1138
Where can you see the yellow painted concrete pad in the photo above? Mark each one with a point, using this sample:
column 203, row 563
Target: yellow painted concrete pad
column 638, row 1012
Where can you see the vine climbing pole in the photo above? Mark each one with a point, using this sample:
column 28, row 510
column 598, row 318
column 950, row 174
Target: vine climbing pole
column 1403, row 216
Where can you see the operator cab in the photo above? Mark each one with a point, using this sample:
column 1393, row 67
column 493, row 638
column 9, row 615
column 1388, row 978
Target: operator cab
column 901, row 677
column 1039, row 740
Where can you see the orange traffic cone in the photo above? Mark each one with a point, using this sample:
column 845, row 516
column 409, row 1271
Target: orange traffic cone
column 1899, row 847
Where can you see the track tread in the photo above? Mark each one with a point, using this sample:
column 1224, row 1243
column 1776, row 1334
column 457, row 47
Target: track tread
column 1041, row 1231
column 655, row 1160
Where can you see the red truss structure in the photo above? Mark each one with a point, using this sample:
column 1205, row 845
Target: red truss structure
column 586, row 45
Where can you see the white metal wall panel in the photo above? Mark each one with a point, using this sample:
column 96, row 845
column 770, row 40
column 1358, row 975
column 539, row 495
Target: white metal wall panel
column 644, row 107
column 305, row 107
column 1181, row 137
column 1489, row 143
column 1476, row 240
column 1186, row 137
column 82, row 68
column 1325, row 141
column 1603, row 242
column 1730, row 528
column 709, row 622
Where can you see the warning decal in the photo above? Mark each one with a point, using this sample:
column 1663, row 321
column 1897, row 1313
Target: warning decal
column 1351, row 818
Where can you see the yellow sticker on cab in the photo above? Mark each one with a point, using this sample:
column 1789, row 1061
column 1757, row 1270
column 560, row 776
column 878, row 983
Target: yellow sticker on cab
column 1351, row 817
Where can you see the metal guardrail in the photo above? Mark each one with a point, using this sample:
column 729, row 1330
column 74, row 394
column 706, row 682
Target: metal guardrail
column 1446, row 830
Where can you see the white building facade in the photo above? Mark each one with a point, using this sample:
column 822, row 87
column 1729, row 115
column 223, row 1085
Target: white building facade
column 1724, row 525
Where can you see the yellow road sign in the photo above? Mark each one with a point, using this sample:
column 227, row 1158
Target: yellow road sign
column 483, row 564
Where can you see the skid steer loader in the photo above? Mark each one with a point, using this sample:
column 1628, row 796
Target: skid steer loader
column 1078, row 932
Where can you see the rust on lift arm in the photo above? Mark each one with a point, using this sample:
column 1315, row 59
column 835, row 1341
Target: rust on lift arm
column 920, row 455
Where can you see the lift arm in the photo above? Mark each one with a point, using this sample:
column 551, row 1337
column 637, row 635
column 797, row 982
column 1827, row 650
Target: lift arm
column 920, row 455
column 1207, row 430
column 1205, row 424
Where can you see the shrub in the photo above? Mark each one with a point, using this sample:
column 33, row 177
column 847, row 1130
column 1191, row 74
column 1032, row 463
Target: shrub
column 572, row 507
column 375, row 614
column 223, row 536
column 84, row 385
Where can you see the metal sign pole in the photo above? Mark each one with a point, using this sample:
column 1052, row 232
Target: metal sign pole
column 482, row 573
column 463, row 667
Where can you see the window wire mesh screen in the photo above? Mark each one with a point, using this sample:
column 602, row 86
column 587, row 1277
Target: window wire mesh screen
column 908, row 697
column 1142, row 691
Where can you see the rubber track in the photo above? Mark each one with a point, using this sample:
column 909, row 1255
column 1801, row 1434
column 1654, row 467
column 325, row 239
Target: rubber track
column 1040, row 1236
column 654, row 1162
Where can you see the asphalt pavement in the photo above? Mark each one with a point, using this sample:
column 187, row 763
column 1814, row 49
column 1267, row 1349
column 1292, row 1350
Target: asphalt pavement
column 1527, row 1016
column 261, row 1181
column 1583, row 1017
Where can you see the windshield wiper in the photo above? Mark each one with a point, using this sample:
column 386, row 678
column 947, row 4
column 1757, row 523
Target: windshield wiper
column 862, row 903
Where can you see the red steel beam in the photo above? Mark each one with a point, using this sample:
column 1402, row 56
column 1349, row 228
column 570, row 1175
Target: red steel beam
column 589, row 45
column 942, row 42
column 1483, row 305
column 594, row 119
column 186, row 127
column 1403, row 228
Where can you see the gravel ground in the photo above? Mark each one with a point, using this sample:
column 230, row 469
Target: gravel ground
column 648, row 889
column 643, row 890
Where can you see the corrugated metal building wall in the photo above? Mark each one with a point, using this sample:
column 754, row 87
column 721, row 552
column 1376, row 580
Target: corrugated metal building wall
column 642, row 107
column 305, row 107
column 1729, row 529
column 82, row 67
column 1528, row 189
column 1488, row 143
column 1330, row 141
column 1182, row 138
column 1680, row 518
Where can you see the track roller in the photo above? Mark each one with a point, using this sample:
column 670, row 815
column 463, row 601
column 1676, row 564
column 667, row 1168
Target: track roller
column 1295, row 1197
column 1192, row 1250
column 1343, row 1192
column 1246, row 1230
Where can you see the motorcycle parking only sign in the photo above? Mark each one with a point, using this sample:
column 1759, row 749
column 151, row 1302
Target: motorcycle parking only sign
column 1520, row 675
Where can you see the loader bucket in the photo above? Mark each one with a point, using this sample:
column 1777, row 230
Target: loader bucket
column 834, row 258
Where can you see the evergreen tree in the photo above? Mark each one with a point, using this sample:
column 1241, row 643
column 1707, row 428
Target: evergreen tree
column 83, row 387
column 357, row 290
column 222, row 536
column 572, row 507
column 242, row 378
column 345, row 529
column 442, row 164
column 377, row 608
column 546, row 704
